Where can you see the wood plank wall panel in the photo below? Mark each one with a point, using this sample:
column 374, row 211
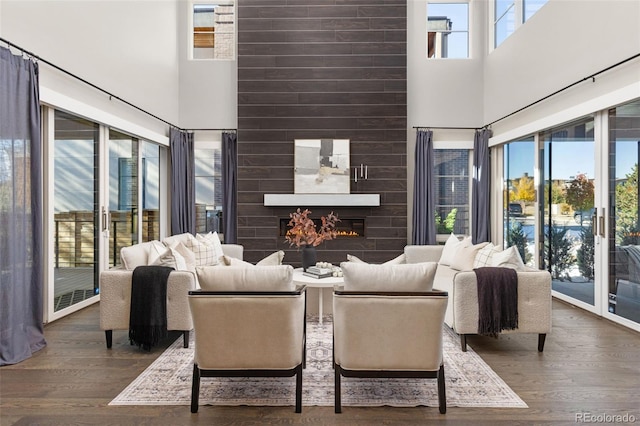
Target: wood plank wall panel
column 322, row 69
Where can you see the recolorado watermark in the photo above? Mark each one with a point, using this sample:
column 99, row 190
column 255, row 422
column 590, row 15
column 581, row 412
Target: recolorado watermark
column 604, row 418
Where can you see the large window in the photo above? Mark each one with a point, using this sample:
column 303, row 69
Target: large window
column 447, row 30
column 452, row 191
column 510, row 14
column 208, row 170
column 213, row 30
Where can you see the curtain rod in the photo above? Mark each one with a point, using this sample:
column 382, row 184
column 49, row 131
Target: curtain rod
column 212, row 130
column 590, row 77
column 111, row 95
column 447, row 128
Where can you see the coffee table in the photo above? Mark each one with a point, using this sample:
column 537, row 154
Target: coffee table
column 319, row 283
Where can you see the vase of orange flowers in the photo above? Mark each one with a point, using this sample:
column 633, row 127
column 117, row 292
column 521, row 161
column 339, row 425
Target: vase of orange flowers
column 305, row 234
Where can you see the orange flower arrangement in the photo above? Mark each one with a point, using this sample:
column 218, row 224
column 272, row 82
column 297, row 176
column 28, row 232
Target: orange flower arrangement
column 304, row 232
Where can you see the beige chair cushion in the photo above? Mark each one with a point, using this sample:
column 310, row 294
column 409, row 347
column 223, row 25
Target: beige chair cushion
column 465, row 257
column 241, row 278
column 401, row 277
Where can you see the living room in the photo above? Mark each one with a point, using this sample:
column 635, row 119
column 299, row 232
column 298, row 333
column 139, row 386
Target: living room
column 356, row 71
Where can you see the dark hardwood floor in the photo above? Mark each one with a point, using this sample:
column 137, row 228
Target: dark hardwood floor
column 590, row 365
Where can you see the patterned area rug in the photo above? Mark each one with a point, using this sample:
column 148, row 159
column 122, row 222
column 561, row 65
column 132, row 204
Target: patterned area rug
column 470, row 382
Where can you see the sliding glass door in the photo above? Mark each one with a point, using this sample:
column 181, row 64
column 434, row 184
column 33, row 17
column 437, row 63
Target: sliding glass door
column 76, row 201
column 568, row 210
column 623, row 231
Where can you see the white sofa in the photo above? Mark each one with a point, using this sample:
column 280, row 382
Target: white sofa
column 534, row 296
column 115, row 289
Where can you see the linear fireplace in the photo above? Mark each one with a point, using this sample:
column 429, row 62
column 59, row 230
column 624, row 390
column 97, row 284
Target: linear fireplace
column 347, row 228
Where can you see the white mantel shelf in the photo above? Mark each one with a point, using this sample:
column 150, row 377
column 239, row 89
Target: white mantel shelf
column 302, row 200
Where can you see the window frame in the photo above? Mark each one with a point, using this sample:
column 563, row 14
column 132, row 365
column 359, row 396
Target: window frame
column 458, row 145
column 519, row 19
column 468, row 30
column 191, row 30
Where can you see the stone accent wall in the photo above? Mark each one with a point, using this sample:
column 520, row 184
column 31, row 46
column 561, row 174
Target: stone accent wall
column 312, row 69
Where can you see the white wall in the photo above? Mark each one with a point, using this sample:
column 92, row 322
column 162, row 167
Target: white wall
column 444, row 92
column 564, row 42
column 208, row 89
column 127, row 48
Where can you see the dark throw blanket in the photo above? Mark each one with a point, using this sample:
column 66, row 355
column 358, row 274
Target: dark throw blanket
column 148, row 316
column 497, row 300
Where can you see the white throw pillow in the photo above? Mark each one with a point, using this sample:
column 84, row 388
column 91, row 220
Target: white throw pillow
column 258, row 278
column 509, row 258
column 352, row 258
column 484, row 255
column 156, row 250
column 450, row 249
column 465, row 257
column 171, row 258
column 399, row 277
column 273, row 259
column 175, row 239
column 188, row 255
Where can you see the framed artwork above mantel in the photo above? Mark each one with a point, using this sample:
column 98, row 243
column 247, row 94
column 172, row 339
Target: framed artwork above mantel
column 321, row 166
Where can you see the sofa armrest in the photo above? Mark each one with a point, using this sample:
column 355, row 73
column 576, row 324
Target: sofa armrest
column 115, row 299
column 534, row 302
column 428, row 253
column 233, row 250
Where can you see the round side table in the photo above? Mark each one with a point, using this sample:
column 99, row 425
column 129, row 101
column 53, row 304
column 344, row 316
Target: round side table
column 319, row 283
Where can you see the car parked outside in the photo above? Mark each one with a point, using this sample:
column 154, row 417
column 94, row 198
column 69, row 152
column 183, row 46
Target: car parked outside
column 515, row 209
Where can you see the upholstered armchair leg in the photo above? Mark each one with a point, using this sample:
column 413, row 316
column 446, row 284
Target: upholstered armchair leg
column 108, row 334
column 541, row 338
column 463, row 342
column 442, row 395
column 185, row 337
column 299, row 389
column 338, row 401
column 195, row 389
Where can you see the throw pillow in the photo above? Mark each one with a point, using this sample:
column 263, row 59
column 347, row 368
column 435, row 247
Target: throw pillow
column 400, row 277
column 509, row 258
column 273, row 259
column 213, row 240
column 157, row 249
column 484, row 255
column 465, row 257
column 171, row 258
column 188, row 255
column 207, row 252
column 352, row 258
column 258, row 278
column 450, row 249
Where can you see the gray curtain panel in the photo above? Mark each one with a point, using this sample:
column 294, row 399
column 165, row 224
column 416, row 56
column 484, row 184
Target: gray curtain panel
column 424, row 198
column 21, row 279
column 229, row 187
column 480, row 188
column 183, row 191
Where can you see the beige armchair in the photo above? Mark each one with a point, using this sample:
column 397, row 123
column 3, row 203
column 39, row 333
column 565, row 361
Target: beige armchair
column 248, row 322
column 385, row 333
